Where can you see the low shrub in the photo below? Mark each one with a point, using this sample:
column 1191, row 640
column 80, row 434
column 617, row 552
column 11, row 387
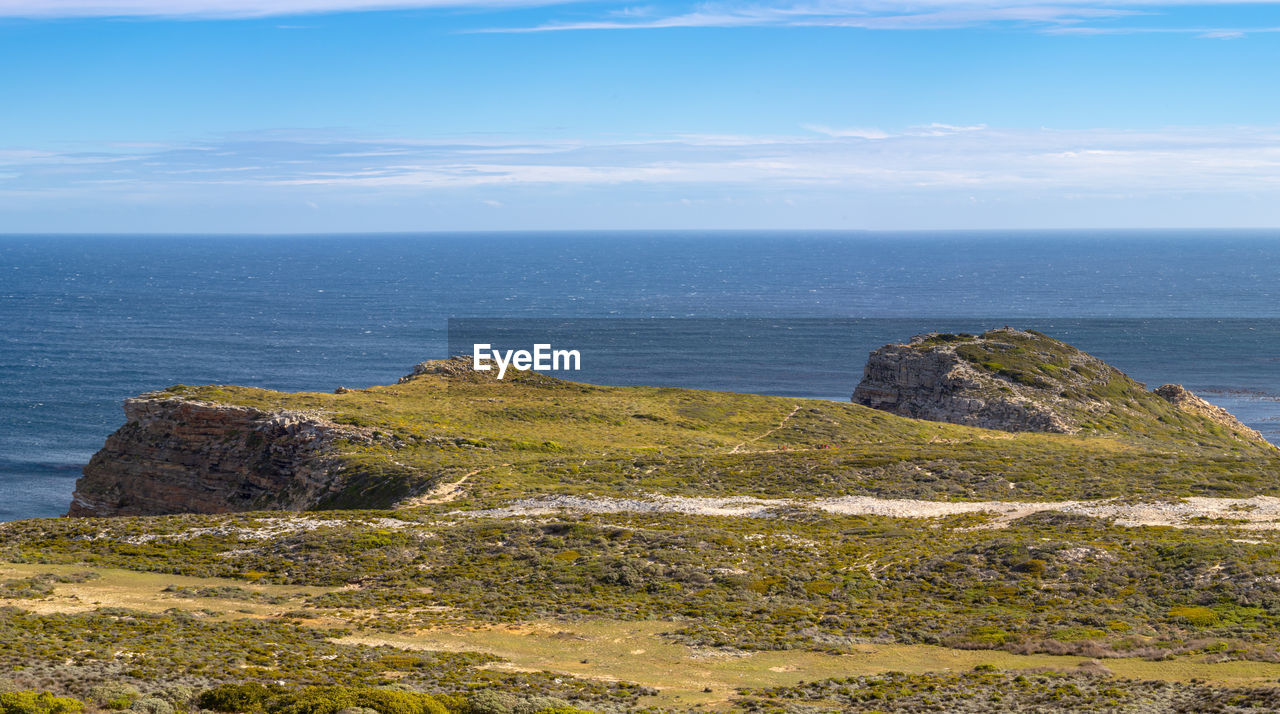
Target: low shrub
column 152, row 705
column 495, row 702
column 1198, row 616
column 331, row 700
column 28, row 702
column 254, row 697
column 235, row 698
column 114, row 695
column 179, row 695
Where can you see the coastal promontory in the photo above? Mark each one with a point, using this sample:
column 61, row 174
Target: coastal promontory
column 1081, row 428
column 1023, row 380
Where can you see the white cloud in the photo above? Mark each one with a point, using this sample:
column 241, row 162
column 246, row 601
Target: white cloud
column 200, row 9
column 936, row 157
column 938, row 129
column 850, row 132
column 934, row 129
column 1204, row 32
column 1053, row 15
column 896, row 15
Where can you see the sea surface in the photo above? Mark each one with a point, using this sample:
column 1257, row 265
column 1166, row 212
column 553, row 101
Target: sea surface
column 86, row 321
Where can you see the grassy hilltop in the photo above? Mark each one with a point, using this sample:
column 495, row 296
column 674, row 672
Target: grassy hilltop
column 520, row 546
column 531, row 434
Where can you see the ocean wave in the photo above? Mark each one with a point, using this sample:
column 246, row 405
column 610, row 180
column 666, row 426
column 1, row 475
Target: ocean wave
column 1238, row 393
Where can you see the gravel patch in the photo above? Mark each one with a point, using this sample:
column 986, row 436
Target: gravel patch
column 1256, row 513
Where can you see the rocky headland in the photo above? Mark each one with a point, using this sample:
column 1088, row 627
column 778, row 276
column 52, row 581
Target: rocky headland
column 446, row 429
column 1016, row 380
column 176, row 455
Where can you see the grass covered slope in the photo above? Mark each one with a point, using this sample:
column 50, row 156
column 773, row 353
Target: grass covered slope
column 1053, row 583
column 664, row 601
column 472, row 596
column 531, row 434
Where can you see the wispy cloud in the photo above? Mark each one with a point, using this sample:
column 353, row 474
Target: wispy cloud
column 933, row 157
column 1210, row 33
column 891, row 15
column 940, row 175
column 232, row 9
column 1065, row 16
column 934, row 129
column 849, row 132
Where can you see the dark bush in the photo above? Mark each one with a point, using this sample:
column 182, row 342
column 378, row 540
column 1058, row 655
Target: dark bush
column 234, row 698
column 331, row 700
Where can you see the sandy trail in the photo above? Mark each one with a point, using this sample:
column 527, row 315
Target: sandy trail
column 1256, row 513
column 445, row 492
column 781, row 424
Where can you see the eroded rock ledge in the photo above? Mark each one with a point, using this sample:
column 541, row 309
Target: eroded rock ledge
column 176, row 455
column 1182, row 398
column 1016, row 380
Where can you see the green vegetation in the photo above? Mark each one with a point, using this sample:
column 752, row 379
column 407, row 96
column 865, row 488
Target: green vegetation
column 801, row 579
column 227, row 592
column 257, row 698
column 39, row 586
column 987, row 690
column 532, row 434
column 327, row 613
column 120, row 658
column 37, row 703
column 254, row 697
column 1089, row 393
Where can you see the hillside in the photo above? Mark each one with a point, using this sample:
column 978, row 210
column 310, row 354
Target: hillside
column 225, row 448
column 520, row 546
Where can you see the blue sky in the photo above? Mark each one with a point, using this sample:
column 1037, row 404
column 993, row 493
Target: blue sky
column 353, row 115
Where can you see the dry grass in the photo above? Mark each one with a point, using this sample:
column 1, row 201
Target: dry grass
column 607, row 649
column 145, row 592
column 636, row 652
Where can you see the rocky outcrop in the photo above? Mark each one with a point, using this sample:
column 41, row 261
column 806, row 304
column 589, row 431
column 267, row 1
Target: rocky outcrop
column 453, row 368
column 181, row 456
column 1184, row 399
column 1016, row 380
column 461, row 369
column 934, row 377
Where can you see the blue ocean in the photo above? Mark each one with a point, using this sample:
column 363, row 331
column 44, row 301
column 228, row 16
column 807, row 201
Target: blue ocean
column 86, row 321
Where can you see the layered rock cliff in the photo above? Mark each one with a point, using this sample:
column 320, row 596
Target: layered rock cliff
column 928, row 378
column 1016, row 380
column 177, row 455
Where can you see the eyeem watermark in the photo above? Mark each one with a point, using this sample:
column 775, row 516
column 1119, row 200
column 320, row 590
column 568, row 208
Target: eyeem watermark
column 541, row 358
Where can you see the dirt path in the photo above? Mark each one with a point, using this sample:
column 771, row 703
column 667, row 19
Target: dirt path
column 1257, row 513
column 782, row 423
column 445, row 492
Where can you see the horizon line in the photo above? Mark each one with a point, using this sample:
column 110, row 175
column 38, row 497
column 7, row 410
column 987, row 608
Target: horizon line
column 510, row 231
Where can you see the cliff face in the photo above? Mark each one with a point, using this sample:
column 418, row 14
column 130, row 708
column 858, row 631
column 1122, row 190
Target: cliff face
column 1016, row 380
column 937, row 384
column 180, row 456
